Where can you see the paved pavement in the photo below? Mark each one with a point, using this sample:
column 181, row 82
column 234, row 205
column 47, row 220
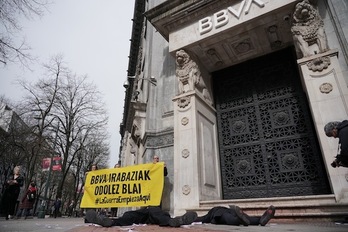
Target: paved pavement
column 78, row 225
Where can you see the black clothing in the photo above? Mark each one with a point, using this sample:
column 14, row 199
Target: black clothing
column 57, row 205
column 225, row 216
column 149, row 215
column 342, row 134
column 165, row 171
column 11, row 194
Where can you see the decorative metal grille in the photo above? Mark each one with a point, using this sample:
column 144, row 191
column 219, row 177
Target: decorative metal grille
column 267, row 143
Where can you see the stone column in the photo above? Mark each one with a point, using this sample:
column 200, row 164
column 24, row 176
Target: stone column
column 328, row 98
column 196, row 158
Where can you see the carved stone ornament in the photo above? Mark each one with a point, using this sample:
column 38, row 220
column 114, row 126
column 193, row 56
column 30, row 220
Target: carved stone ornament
column 189, row 75
column 186, row 190
column 184, row 121
column 184, row 101
column 326, row 88
column 243, row 47
column 308, row 29
column 185, row 153
column 319, row 64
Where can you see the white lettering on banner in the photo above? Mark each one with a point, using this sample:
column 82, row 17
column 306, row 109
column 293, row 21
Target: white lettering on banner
column 221, row 18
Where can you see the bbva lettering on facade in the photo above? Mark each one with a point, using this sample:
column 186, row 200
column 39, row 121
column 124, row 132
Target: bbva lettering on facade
column 221, row 18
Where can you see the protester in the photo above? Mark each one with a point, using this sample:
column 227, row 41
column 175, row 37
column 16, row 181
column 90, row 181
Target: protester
column 339, row 130
column 155, row 215
column 156, row 160
column 94, row 167
column 115, row 209
column 27, row 201
column 57, row 205
column 12, row 189
column 71, row 208
column 235, row 216
column 149, row 215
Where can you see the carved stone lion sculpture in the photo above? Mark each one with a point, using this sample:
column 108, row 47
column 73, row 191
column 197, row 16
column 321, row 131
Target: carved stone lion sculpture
column 189, row 75
column 308, row 29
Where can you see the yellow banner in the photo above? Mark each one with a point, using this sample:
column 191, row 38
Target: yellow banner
column 139, row 185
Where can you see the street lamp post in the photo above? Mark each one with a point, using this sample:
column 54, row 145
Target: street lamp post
column 42, row 211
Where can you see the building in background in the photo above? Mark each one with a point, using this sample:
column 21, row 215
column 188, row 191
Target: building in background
column 233, row 96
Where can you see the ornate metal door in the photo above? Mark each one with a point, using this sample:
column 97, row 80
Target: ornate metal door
column 268, row 147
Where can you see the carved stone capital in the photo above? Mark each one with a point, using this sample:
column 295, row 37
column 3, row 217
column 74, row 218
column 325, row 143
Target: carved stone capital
column 184, row 101
column 319, row 64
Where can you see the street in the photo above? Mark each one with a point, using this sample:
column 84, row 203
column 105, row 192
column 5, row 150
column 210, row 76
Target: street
column 78, row 225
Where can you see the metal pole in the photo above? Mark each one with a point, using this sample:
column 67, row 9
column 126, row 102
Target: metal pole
column 42, row 211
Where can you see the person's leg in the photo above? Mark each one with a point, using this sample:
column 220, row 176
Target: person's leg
column 158, row 217
column 140, row 216
column 26, row 213
column 254, row 221
column 227, row 219
column 12, row 207
column 267, row 215
column 19, row 213
column 86, row 221
column 209, row 217
column 93, row 217
column 185, row 219
column 244, row 219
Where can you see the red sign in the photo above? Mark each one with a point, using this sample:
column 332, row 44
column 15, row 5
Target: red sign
column 56, row 165
column 46, row 163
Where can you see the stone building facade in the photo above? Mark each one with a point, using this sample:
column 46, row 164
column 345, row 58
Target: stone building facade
column 233, row 96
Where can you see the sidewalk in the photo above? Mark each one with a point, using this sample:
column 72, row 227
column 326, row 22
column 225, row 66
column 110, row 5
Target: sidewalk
column 78, row 225
column 272, row 227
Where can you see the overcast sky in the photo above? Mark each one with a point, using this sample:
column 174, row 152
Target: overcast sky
column 93, row 37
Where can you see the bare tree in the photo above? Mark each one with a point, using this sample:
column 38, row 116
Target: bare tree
column 10, row 13
column 72, row 121
column 84, row 116
column 36, row 109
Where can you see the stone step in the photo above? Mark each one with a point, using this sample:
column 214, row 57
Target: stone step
column 296, row 208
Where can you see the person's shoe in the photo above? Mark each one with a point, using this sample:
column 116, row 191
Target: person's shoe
column 239, row 212
column 185, row 219
column 93, row 217
column 267, row 215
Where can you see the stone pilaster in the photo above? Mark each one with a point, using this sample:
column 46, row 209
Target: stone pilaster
column 196, row 161
column 328, row 98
